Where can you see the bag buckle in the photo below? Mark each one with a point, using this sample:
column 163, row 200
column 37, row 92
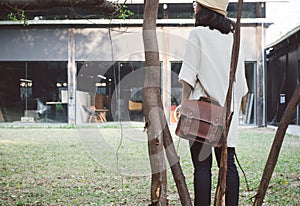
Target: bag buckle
column 214, row 132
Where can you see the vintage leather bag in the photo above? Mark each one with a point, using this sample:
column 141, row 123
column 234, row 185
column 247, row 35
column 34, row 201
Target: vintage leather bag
column 202, row 121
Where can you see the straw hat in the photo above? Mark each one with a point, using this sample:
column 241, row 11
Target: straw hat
column 219, row 6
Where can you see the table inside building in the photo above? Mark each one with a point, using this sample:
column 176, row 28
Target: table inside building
column 102, row 114
column 57, row 107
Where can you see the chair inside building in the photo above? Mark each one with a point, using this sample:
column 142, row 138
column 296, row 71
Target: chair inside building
column 42, row 109
column 93, row 116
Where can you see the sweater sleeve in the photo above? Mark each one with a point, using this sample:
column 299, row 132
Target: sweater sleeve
column 188, row 72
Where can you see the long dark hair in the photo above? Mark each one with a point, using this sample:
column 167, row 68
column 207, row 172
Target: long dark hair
column 214, row 20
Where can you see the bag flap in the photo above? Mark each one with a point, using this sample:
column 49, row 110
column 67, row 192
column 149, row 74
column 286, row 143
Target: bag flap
column 202, row 110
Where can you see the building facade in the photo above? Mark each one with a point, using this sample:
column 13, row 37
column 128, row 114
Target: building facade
column 283, row 75
column 60, row 70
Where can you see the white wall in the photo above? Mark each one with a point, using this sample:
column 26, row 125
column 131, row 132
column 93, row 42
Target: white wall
column 34, row 44
column 95, row 45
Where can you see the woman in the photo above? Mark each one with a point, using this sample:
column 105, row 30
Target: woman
column 205, row 72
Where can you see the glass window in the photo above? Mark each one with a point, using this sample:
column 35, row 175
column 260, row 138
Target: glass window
column 186, row 11
column 248, row 106
column 165, row 11
column 176, row 89
column 176, row 11
column 33, row 92
column 137, row 9
column 250, row 10
column 113, row 87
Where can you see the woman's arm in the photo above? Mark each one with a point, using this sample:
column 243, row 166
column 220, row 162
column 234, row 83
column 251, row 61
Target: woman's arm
column 186, row 90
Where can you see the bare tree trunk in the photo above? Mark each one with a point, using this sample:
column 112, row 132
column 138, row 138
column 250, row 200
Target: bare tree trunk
column 276, row 146
column 156, row 124
column 152, row 104
column 178, row 175
column 221, row 187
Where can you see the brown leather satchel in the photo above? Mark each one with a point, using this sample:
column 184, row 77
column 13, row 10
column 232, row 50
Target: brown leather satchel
column 202, row 121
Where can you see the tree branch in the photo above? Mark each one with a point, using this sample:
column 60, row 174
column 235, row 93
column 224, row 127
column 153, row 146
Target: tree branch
column 276, row 146
column 221, row 187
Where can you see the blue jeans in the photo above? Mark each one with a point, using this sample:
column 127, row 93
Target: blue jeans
column 202, row 161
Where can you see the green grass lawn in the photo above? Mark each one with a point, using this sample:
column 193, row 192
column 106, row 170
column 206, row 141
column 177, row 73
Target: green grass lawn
column 110, row 166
